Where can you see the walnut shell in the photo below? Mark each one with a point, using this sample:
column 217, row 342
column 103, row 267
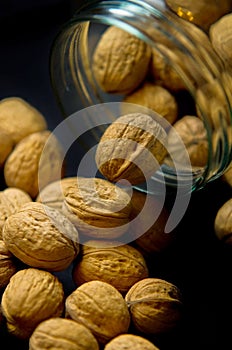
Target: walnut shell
column 220, row 34
column 41, row 237
column 223, row 222
column 131, row 148
column 193, row 134
column 130, row 342
column 119, row 265
column 227, row 176
column 25, row 169
column 6, row 146
column 20, row 119
column 53, row 193
column 156, row 98
column 101, row 308
column 31, row 297
column 153, row 238
column 97, row 207
column 200, row 12
column 7, row 265
column 120, row 61
column 164, row 73
column 63, row 334
column 11, row 200
column 155, row 305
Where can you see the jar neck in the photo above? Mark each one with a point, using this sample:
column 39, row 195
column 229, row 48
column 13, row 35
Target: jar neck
column 203, row 73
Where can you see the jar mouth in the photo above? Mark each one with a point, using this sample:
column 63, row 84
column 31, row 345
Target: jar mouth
column 75, row 86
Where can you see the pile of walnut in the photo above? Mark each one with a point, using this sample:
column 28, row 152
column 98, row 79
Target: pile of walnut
column 49, row 223
column 86, row 224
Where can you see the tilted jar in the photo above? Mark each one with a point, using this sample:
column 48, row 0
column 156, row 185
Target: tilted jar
column 205, row 76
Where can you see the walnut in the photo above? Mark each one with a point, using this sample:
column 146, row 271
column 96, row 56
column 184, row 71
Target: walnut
column 220, row 34
column 19, row 119
column 41, row 237
column 11, row 200
column 227, row 176
column 31, row 297
column 130, row 341
column 200, row 12
column 155, row 305
column 131, row 148
column 25, row 167
column 120, row 61
column 7, row 265
column 101, row 308
column 119, row 265
column 164, row 73
column 211, row 101
column 223, row 222
column 156, row 98
column 53, row 193
column 97, row 207
column 193, row 140
column 63, row 334
column 149, row 238
column 6, row 146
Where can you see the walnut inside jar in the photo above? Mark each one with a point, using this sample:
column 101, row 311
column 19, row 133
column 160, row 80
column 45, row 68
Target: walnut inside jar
column 155, row 97
column 193, row 141
column 200, row 12
column 132, row 148
column 220, row 34
column 120, row 61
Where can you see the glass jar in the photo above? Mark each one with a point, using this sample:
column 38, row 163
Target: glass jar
column 204, row 74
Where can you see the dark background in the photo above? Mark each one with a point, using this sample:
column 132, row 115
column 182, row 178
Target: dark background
column 197, row 262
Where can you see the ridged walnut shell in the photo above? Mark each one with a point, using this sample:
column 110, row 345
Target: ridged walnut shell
column 221, row 37
column 53, row 193
column 157, row 98
column 223, row 222
column 20, row 119
column 41, row 237
column 7, row 265
column 200, row 12
column 227, row 176
column 97, row 207
column 130, row 341
column 31, row 166
column 11, row 200
column 31, row 297
column 119, row 265
column 63, row 334
column 120, row 61
column 149, row 235
column 6, row 146
column 155, row 305
column 192, row 132
column 101, row 308
column 131, row 148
